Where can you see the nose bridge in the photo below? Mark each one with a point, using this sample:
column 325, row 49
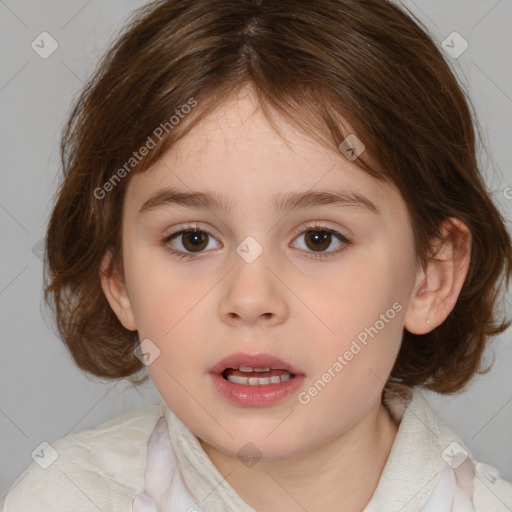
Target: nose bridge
column 251, row 269
column 253, row 289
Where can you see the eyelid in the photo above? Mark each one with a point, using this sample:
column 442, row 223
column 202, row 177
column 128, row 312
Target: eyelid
column 316, row 225
column 323, row 226
column 190, row 227
column 320, row 225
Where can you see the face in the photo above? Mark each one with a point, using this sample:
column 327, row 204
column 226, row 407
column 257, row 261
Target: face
column 322, row 286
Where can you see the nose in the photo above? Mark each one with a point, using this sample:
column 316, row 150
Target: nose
column 253, row 293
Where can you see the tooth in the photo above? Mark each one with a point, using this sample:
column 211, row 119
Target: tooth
column 251, row 369
column 237, row 380
column 254, row 381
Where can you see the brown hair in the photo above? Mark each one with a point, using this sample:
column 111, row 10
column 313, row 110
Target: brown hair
column 333, row 67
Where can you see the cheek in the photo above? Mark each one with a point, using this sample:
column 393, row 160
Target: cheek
column 364, row 310
column 351, row 372
column 160, row 294
column 171, row 311
column 367, row 286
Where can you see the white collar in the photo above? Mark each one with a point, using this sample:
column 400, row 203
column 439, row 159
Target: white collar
column 181, row 477
column 418, row 475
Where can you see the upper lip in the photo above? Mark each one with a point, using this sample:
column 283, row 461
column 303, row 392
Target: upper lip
column 254, row 361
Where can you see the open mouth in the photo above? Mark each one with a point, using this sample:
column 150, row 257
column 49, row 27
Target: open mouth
column 255, row 380
column 248, row 376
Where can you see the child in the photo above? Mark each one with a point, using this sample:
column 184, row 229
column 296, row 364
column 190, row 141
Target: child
column 275, row 208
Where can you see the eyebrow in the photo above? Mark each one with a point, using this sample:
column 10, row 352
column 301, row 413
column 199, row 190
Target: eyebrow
column 282, row 202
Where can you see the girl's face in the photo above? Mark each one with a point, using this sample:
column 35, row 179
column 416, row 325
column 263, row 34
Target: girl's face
column 322, row 285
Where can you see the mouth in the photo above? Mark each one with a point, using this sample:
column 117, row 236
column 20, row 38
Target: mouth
column 258, row 380
column 255, row 370
column 249, row 376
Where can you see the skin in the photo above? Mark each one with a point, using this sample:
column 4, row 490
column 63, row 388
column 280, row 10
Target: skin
column 304, row 310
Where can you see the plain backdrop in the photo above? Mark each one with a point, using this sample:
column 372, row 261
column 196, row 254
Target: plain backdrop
column 44, row 396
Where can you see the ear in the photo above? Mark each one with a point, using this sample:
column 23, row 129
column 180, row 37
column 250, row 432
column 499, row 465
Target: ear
column 439, row 283
column 115, row 291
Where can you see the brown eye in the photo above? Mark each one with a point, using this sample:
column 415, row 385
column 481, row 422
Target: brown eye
column 192, row 240
column 321, row 242
column 318, row 240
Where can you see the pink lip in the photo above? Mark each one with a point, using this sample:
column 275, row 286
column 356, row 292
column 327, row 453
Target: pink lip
column 258, row 395
column 255, row 361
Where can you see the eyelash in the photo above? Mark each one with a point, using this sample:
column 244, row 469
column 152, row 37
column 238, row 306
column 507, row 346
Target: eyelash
column 304, row 229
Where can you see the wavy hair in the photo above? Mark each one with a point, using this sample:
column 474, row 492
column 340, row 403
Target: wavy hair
column 332, row 67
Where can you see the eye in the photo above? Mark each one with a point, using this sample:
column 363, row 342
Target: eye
column 318, row 238
column 188, row 241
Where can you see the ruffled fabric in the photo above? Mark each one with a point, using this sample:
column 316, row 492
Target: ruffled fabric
column 180, row 476
column 150, row 455
column 164, row 488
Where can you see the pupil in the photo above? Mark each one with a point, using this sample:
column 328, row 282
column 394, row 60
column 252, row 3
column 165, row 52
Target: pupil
column 195, row 236
column 196, row 239
column 318, row 238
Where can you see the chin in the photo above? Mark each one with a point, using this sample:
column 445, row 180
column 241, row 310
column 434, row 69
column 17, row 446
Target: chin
column 253, row 448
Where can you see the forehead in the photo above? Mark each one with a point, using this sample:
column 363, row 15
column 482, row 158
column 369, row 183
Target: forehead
column 235, row 154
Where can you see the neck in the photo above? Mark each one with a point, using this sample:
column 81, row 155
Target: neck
column 341, row 474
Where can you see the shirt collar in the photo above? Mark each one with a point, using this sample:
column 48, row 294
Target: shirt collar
column 414, row 472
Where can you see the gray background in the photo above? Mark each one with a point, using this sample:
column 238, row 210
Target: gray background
column 43, row 395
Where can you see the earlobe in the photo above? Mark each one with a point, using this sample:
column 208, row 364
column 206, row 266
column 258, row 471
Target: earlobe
column 439, row 283
column 115, row 291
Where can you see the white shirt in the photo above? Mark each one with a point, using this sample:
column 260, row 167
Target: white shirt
column 148, row 461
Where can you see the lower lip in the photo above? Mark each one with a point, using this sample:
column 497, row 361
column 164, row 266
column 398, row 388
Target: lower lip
column 258, row 395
